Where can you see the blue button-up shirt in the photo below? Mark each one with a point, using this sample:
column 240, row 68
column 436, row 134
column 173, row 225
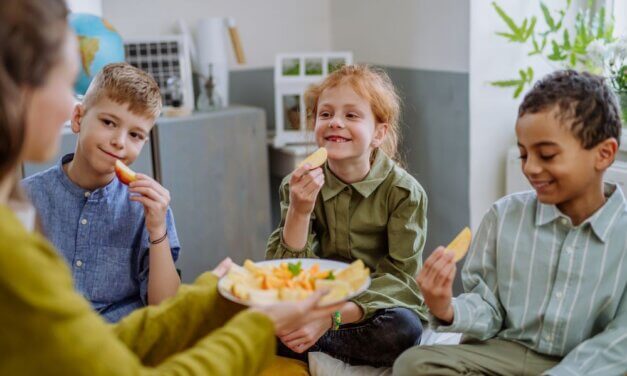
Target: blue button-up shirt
column 534, row 278
column 101, row 234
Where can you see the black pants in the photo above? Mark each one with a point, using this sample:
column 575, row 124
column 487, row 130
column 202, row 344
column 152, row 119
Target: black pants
column 377, row 341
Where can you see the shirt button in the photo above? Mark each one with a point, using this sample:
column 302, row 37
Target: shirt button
column 83, row 221
column 569, row 250
column 79, row 263
column 548, row 337
column 564, row 221
column 559, row 295
column 87, row 194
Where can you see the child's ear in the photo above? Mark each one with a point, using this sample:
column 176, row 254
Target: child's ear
column 380, row 130
column 606, row 153
column 77, row 117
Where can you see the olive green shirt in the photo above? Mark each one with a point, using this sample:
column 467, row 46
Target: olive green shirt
column 47, row 328
column 381, row 220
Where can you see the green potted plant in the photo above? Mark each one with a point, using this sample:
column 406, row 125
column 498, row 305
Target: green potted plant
column 588, row 45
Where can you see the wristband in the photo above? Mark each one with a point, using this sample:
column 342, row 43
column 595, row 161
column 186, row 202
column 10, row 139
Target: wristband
column 161, row 239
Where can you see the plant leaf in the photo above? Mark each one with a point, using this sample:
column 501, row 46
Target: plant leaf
column 567, row 45
column 557, row 54
column 547, row 16
column 511, row 37
column 601, row 23
column 505, row 83
column 529, row 75
column 531, row 28
column 508, row 20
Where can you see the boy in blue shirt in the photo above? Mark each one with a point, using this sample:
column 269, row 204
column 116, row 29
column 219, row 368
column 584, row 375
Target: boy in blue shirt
column 546, row 275
column 120, row 241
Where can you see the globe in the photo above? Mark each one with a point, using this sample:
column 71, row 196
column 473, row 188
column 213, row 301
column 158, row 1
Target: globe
column 99, row 45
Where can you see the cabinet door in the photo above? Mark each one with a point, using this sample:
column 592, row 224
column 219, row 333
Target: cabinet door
column 216, row 168
column 142, row 164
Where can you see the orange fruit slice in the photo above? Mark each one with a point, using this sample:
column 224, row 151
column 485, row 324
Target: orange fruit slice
column 459, row 245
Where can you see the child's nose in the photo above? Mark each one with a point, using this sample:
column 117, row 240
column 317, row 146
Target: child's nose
column 118, row 140
column 531, row 167
column 335, row 123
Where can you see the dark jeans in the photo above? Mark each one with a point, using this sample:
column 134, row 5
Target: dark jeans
column 377, row 341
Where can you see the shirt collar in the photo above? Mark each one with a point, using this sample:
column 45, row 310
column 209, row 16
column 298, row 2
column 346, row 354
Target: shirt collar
column 75, row 189
column 379, row 171
column 600, row 222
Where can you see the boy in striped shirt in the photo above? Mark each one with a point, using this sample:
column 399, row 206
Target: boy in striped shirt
column 546, row 274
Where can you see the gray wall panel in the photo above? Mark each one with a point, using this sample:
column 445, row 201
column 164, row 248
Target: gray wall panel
column 215, row 165
column 435, row 131
column 254, row 88
column 436, row 147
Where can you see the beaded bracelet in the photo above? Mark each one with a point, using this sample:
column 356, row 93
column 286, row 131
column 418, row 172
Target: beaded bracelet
column 153, row 242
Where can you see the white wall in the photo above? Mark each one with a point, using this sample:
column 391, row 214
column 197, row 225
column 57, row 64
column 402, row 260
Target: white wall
column 420, row 34
column 85, row 6
column 493, row 110
column 620, row 15
column 266, row 27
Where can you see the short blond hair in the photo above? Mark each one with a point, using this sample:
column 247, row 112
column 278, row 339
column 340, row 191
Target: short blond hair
column 372, row 84
column 126, row 84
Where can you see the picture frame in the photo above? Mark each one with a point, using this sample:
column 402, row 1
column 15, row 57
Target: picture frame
column 293, row 73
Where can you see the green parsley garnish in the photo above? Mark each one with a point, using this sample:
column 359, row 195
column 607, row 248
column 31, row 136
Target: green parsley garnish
column 331, row 276
column 295, row 269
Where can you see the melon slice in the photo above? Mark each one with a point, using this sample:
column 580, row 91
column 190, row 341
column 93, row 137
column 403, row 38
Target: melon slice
column 315, row 159
column 459, row 245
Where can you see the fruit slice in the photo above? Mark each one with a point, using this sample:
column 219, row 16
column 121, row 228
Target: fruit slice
column 338, row 290
column 354, row 275
column 315, row 159
column 459, row 245
column 124, row 173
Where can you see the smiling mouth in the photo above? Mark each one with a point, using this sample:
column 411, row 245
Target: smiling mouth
column 540, row 185
column 337, row 139
column 110, row 154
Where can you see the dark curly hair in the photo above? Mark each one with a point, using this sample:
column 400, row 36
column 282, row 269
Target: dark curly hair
column 584, row 99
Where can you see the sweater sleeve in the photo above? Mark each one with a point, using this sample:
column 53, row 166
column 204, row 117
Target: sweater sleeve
column 48, row 328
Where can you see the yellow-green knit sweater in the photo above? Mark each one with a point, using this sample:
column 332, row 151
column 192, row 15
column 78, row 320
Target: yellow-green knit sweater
column 47, row 328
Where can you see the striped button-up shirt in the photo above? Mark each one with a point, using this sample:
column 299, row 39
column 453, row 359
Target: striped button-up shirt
column 534, row 278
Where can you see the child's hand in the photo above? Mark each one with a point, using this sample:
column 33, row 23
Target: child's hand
column 290, row 316
column 302, row 339
column 436, row 283
column 223, row 267
column 304, row 187
column 155, row 199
